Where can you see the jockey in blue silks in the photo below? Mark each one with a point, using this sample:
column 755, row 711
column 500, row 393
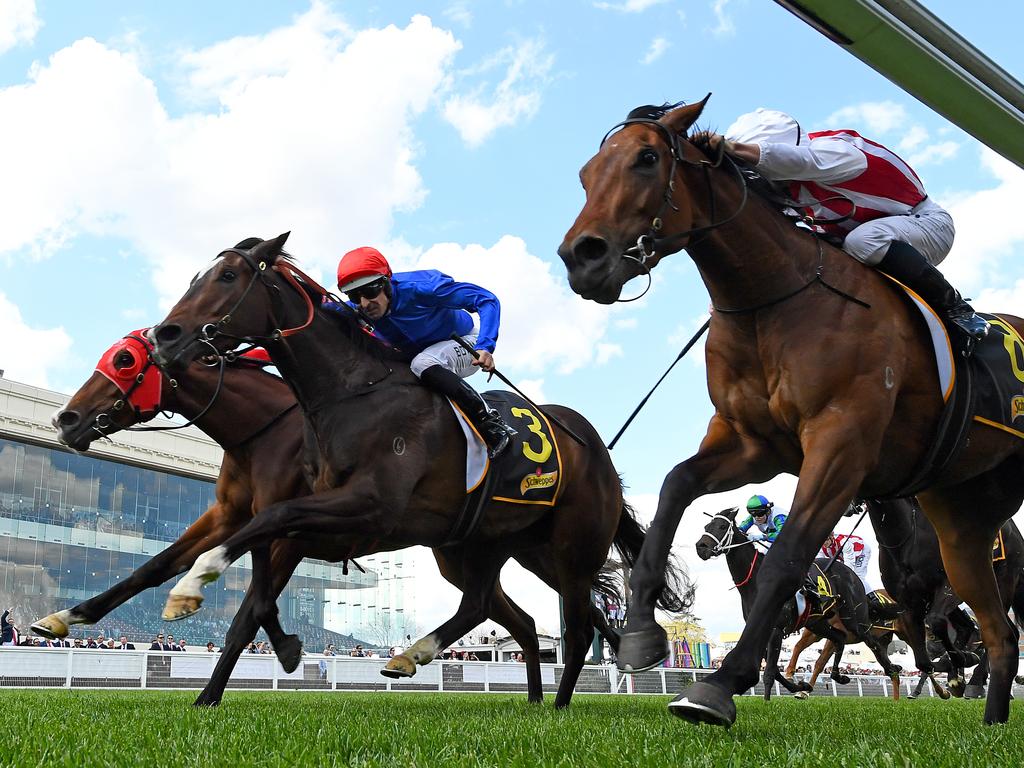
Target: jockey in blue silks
column 417, row 312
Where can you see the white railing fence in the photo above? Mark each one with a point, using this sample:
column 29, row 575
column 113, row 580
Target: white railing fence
column 105, row 669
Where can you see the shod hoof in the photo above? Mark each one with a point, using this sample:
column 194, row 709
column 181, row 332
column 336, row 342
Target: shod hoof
column 643, row 650
column 181, row 607
column 400, row 666
column 704, row 703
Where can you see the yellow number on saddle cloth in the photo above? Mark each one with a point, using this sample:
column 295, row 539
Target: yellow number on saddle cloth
column 1014, row 347
column 536, row 428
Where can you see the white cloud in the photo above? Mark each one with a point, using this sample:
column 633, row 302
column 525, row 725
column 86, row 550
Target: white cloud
column 29, row 354
column 913, row 138
column 627, row 322
column 629, row 6
column 989, row 233
column 311, row 132
column 934, row 153
column 19, row 23
column 544, row 325
column 657, row 48
column 534, row 389
column 459, row 13
column 870, row 117
column 478, row 114
column 724, row 25
column 606, row 352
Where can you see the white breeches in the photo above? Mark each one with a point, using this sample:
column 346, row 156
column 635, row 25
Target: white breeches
column 448, row 354
column 929, row 228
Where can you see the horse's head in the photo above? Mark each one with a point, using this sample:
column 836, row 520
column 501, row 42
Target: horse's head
column 718, row 534
column 125, row 388
column 243, row 296
column 632, row 193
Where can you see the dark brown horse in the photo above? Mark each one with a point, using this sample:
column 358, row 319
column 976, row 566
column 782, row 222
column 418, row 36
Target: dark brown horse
column 817, row 366
column 370, row 496
column 219, row 403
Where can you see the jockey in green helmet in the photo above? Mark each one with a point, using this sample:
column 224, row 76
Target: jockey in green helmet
column 764, row 518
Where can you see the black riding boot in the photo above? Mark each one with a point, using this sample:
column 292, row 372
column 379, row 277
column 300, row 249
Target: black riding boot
column 904, row 262
column 496, row 433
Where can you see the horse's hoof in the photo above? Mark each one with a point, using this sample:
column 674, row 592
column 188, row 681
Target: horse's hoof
column 289, row 653
column 956, row 687
column 643, row 650
column 896, row 669
column 802, row 695
column 181, row 606
column 804, row 687
column 51, row 627
column 400, row 666
column 842, row 679
column 205, row 700
column 1019, row 679
column 974, row 692
column 704, row 703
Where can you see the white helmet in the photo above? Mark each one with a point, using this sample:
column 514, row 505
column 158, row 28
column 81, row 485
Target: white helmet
column 768, row 125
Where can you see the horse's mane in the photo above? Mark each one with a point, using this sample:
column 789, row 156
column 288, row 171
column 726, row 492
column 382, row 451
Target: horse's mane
column 652, row 111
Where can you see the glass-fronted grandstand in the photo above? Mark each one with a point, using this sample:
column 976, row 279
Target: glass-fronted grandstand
column 72, row 525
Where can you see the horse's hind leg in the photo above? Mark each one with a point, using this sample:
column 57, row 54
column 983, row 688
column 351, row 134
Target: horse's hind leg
column 287, row 648
column 966, row 544
column 771, row 667
column 579, row 630
column 807, row 639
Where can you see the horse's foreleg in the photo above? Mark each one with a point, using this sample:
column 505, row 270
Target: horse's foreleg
column 771, row 666
column 827, row 651
column 284, row 559
column 966, row 545
column 579, row 631
column 830, row 477
column 211, row 528
column 338, row 512
column 725, row 461
column 287, row 648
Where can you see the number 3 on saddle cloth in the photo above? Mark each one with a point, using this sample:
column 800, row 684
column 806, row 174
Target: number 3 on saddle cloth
column 529, row 472
column 980, row 382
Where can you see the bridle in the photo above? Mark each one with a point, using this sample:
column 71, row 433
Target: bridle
column 288, row 271
column 724, row 544
column 103, row 422
column 649, row 244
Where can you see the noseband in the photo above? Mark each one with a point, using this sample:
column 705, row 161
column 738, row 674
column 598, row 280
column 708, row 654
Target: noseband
column 649, row 244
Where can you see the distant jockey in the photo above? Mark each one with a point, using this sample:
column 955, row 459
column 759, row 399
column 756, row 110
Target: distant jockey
column 417, row 312
column 861, row 193
column 854, row 553
column 766, row 523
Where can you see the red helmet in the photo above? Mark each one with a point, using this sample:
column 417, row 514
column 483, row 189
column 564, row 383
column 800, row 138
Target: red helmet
column 361, row 266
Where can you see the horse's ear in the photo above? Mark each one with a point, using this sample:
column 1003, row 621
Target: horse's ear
column 271, row 249
column 680, row 119
column 732, row 512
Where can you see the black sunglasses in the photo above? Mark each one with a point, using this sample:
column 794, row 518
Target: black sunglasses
column 370, row 291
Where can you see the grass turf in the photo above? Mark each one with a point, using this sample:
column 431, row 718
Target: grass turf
column 121, row 728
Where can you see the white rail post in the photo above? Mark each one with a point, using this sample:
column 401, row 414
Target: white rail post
column 835, row 689
column 67, row 679
column 860, row 688
column 275, row 664
column 487, row 677
column 440, row 676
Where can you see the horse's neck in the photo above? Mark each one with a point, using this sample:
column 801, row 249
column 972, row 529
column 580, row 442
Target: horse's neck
column 243, row 397
column 741, row 561
column 757, row 257
column 321, row 364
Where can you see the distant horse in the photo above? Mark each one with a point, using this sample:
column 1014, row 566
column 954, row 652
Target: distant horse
column 842, row 618
column 219, row 400
column 818, row 366
column 386, row 455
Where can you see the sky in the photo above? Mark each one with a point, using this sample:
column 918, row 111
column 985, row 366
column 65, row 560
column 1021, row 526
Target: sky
column 138, row 140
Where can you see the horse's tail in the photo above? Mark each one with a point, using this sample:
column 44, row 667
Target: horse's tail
column 677, row 594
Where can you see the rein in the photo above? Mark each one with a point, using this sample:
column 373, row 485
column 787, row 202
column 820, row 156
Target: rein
column 750, row 573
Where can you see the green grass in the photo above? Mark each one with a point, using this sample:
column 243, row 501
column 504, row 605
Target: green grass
column 156, row 729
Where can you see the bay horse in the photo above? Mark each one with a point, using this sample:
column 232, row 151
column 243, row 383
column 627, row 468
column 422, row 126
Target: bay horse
column 385, row 456
column 218, row 400
column 816, row 366
column 844, row 619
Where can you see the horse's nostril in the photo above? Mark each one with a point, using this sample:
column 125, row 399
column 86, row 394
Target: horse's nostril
column 68, row 418
column 165, row 334
column 588, row 247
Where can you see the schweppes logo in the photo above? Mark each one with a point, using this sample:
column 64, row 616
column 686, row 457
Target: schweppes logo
column 1017, row 407
column 536, row 480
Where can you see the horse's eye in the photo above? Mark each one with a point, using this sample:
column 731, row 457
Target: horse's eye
column 123, row 360
column 227, row 275
column 648, row 157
